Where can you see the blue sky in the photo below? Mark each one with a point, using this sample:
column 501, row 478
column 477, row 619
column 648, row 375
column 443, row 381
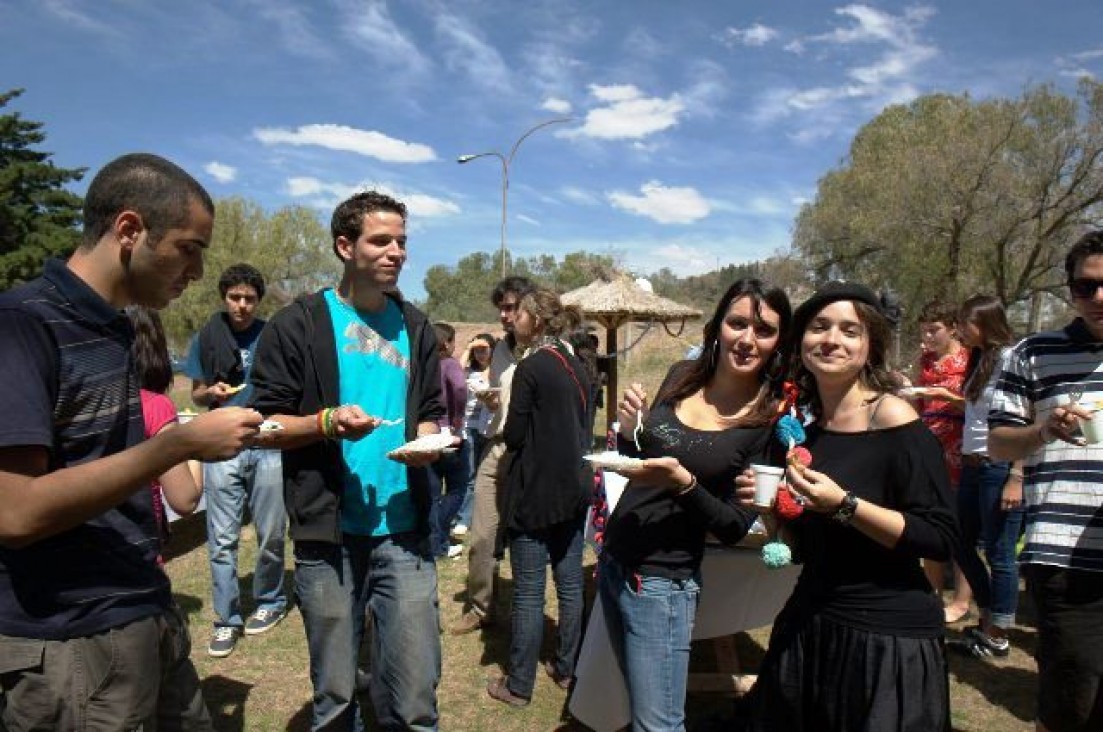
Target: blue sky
column 699, row 127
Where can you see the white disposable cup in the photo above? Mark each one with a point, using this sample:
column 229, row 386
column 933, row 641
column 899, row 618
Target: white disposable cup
column 766, row 479
column 1093, row 428
column 185, row 417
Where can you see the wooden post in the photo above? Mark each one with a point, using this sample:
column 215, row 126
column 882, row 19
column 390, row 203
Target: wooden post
column 611, row 393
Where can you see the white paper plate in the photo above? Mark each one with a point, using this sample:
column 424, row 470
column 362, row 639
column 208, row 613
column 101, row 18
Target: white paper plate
column 424, row 444
column 610, row 460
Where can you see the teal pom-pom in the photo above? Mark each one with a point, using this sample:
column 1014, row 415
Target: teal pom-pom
column 789, row 430
column 776, row 554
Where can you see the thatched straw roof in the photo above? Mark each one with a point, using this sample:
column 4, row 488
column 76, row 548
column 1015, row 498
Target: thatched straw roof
column 620, row 300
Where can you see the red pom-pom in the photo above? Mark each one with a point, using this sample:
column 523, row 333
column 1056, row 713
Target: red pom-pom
column 786, row 506
column 799, row 456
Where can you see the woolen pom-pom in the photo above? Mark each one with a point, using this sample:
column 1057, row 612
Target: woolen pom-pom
column 776, row 554
column 789, row 430
column 787, row 507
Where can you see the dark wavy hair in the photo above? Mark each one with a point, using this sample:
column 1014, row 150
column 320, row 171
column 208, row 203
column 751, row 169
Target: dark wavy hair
column 696, row 374
column 151, row 353
column 876, row 375
column 348, row 217
column 987, row 313
column 241, row 274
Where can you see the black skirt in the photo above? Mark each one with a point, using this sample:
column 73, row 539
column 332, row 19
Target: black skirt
column 821, row 675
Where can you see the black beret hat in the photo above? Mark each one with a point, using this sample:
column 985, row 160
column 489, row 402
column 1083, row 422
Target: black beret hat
column 832, row 292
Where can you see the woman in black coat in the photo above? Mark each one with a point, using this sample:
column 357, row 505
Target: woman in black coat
column 546, row 492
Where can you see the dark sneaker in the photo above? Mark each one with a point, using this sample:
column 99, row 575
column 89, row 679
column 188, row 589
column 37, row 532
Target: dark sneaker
column 981, row 645
column 500, row 692
column 223, row 641
column 563, row 682
column 263, row 620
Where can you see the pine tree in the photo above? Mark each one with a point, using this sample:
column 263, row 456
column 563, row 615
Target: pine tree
column 38, row 217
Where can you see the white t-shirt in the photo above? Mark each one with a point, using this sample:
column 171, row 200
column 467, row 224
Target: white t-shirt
column 974, row 439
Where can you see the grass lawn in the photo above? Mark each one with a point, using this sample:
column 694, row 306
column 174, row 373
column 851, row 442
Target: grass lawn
column 265, row 684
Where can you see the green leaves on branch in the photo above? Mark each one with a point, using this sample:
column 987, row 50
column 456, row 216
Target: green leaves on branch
column 38, row 218
column 948, row 196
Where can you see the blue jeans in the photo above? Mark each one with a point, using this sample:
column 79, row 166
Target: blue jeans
column 451, row 472
column 529, row 555
column 650, row 621
column 255, row 476
column 395, row 580
column 478, row 444
column 980, row 517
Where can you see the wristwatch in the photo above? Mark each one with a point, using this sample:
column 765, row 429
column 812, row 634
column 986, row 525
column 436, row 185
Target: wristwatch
column 845, row 512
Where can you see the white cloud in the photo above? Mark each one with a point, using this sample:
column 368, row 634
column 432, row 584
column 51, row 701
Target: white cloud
column 556, row 105
column 464, row 50
column 220, row 171
column 293, row 27
column 627, row 115
column 1074, row 66
column 326, row 195
column 528, row 220
column 69, row 12
column 376, row 34
column 690, row 259
column 887, row 78
column 577, row 195
column 662, row 204
column 349, row 139
column 754, row 35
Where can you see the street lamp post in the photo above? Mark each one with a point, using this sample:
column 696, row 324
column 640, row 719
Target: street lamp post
column 506, row 161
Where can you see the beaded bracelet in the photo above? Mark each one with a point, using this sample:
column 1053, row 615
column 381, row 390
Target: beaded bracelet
column 331, row 423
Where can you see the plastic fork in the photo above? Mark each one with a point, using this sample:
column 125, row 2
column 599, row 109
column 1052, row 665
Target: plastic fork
column 391, row 422
column 639, row 428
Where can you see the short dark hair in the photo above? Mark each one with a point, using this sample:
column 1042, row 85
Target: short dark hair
column 241, row 274
column 151, row 353
column 445, row 332
column 518, row 285
column 348, row 217
column 938, row 311
column 1087, row 245
column 158, row 190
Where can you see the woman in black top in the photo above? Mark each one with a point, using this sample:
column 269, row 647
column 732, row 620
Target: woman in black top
column 859, row 644
column 711, row 418
column 546, row 492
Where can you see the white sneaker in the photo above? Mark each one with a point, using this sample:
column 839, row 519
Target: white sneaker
column 459, row 530
column 455, row 550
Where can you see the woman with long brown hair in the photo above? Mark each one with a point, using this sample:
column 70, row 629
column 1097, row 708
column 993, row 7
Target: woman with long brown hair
column 709, row 420
column 990, row 495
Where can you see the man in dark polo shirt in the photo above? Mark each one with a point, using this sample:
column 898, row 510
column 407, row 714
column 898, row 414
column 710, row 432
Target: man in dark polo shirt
column 89, row 636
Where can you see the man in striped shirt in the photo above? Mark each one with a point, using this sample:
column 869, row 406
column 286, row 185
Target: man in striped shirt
column 1051, row 383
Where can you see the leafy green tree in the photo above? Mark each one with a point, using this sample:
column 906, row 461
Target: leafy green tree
column 948, row 196
column 290, row 247
column 38, row 218
column 462, row 293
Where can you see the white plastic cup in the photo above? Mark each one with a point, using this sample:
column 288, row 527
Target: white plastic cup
column 185, row 417
column 766, row 480
column 1093, row 428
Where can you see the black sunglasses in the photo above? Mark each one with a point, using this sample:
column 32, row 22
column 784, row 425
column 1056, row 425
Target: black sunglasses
column 1084, row 287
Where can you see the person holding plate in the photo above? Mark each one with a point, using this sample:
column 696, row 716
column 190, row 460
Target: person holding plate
column 710, row 419
column 357, row 494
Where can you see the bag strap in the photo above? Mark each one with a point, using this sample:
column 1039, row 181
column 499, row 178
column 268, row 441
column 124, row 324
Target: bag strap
column 562, row 359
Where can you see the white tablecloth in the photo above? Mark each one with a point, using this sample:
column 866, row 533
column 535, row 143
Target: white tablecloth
column 738, row 593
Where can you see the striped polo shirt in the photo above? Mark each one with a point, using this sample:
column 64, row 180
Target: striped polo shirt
column 1063, row 483
column 72, row 389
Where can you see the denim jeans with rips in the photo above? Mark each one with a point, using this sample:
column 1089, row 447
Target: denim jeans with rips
column 394, row 579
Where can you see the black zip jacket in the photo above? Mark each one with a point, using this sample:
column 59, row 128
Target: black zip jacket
column 295, row 372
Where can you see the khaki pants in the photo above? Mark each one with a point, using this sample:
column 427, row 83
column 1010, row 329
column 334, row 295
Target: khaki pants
column 482, row 567
column 134, row 677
